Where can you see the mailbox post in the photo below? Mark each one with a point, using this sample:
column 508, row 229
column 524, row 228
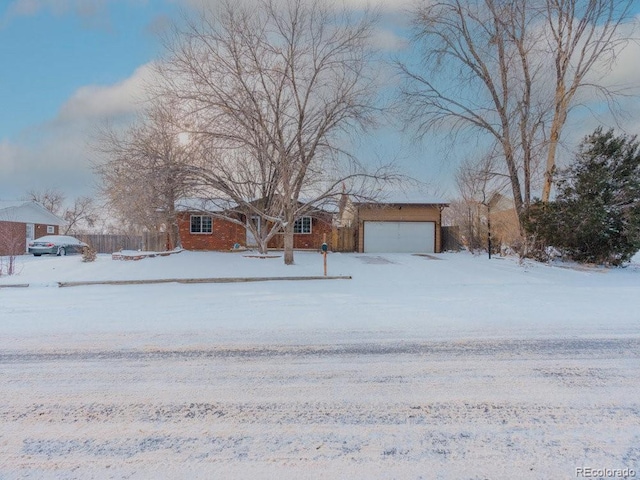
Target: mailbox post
column 324, row 249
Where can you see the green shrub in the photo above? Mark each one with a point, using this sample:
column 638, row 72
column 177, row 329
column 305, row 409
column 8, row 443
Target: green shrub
column 595, row 217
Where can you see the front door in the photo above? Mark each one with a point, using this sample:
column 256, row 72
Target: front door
column 31, row 233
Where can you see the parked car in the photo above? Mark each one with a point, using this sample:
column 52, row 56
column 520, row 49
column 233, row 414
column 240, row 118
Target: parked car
column 56, row 245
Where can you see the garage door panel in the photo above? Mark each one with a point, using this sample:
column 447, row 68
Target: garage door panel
column 401, row 237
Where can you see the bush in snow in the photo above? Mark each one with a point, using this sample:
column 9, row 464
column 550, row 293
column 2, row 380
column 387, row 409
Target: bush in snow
column 88, row 254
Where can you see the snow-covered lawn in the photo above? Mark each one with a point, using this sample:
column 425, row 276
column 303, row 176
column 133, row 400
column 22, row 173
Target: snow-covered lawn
column 390, row 297
column 447, row 366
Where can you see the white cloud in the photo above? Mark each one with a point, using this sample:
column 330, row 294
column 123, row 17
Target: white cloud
column 91, row 11
column 382, row 5
column 9, row 155
column 44, row 158
column 388, row 41
column 625, row 72
column 621, row 69
column 57, row 154
column 25, row 8
column 99, row 101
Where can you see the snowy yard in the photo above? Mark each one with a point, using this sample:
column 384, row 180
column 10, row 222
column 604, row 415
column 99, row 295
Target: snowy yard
column 447, row 366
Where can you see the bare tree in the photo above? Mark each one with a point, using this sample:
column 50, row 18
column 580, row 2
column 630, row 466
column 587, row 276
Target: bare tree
column 50, row 198
column 582, row 35
column 480, row 183
column 272, row 93
column 11, row 245
column 484, row 67
column 82, row 212
column 143, row 170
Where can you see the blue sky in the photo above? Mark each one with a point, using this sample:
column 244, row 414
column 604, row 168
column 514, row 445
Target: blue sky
column 69, row 64
column 49, row 54
column 66, row 65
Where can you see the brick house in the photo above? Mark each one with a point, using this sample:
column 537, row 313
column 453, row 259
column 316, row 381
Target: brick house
column 201, row 230
column 23, row 221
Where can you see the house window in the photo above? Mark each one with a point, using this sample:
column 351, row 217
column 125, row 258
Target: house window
column 51, row 229
column 201, row 224
column 302, row 225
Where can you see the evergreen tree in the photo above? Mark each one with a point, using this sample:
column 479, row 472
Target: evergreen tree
column 596, row 215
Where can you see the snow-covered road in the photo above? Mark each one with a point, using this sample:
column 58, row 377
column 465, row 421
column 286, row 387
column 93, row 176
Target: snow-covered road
column 494, row 409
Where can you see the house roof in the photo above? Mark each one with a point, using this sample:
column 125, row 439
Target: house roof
column 192, row 204
column 21, row 211
column 405, row 198
column 219, row 205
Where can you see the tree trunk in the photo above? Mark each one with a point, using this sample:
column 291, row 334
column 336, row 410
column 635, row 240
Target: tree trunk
column 174, row 237
column 559, row 119
column 263, row 247
column 550, row 168
column 288, row 243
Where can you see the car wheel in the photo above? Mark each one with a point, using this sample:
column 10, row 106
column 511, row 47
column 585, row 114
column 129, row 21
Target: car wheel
column 62, row 251
column 37, row 254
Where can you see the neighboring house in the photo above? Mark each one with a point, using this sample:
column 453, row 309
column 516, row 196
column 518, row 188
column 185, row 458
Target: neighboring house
column 472, row 220
column 402, row 223
column 206, row 230
column 505, row 228
column 23, row 221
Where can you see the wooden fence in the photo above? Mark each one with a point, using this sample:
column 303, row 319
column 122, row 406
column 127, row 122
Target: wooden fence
column 451, row 239
column 343, row 239
column 107, row 243
column 154, row 241
column 112, row 243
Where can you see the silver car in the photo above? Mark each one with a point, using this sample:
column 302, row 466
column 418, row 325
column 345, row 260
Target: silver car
column 56, row 245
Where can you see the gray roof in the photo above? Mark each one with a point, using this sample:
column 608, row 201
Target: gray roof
column 406, row 198
column 193, row 204
column 22, row 211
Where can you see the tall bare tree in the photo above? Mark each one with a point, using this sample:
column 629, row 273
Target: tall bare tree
column 484, row 68
column 271, row 94
column 582, row 35
column 143, row 169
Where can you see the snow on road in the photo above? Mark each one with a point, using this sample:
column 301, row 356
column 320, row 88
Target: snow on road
column 451, row 367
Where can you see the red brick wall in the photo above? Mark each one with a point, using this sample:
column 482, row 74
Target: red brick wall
column 224, row 236
column 305, row 241
column 41, row 230
column 13, row 238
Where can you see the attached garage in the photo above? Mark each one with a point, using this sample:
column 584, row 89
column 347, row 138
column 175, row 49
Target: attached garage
column 400, row 237
column 402, row 227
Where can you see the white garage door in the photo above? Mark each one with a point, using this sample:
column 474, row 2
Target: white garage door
column 401, row 237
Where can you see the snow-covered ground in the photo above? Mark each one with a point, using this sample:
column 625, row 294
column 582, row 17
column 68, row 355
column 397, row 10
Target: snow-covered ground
column 390, row 297
column 443, row 366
